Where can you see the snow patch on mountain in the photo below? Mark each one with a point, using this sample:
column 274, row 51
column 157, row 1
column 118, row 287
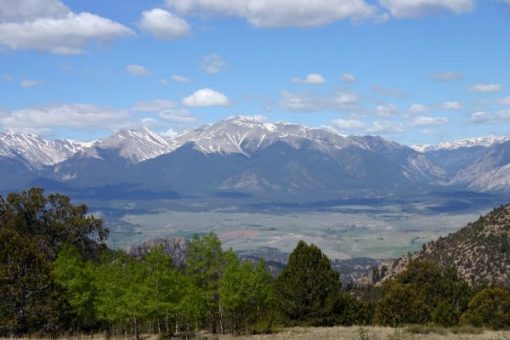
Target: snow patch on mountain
column 462, row 143
column 37, row 152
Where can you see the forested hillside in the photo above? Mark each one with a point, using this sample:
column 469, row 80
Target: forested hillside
column 57, row 277
column 480, row 252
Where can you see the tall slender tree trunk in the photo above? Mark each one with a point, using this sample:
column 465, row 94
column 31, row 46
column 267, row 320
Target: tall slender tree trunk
column 135, row 324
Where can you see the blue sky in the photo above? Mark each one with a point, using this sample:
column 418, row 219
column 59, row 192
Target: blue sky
column 416, row 72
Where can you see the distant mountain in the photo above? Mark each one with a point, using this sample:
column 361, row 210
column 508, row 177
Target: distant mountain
column 489, row 171
column 458, row 155
column 244, row 157
column 135, row 145
column 480, row 251
column 463, row 143
column 37, row 152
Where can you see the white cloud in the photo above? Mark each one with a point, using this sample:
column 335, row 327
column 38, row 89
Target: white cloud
column 348, row 78
column 163, row 24
column 452, row 105
column 279, row 13
column 180, row 79
column 488, row 117
column 347, row 124
column 69, row 116
column 418, row 8
column 213, row 63
column 429, row 121
column 206, row 97
column 137, row 70
column 302, row 102
column 29, row 83
column 504, row 101
column 312, row 79
column 308, row 102
column 418, row 108
column 387, row 110
column 485, row 88
column 385, row 128
column 51, row 26
column 177, row 115
column 153, row 105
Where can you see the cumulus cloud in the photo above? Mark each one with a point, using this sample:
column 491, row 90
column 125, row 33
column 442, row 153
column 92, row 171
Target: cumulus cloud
column 312, row 79
column 137, row 70
column 177, row 115
column 429, row 121
column 417, row 108
column 489, row 117
column 486, row 88
column 302, row 102
column 309, row 102
column 153, row 105
column 448, row 76
column 50, row 26
column 163, row 24
column 347, row 124
column 213, row 63
column 387, row 110
column 180, row 79
column 348, row 78
column 385, row 128
column 418, row 8
column 70, row 116
column 29, row 83
column 279, row 13
column 452, row 105
column 206, row 97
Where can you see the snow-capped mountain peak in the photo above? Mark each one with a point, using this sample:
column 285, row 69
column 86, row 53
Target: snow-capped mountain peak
column 463, row 143
column 36, row 151
column 136, row 145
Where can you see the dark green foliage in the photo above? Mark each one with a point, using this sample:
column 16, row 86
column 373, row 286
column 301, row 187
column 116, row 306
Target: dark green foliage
column 423, row 293
column 33, row 227
column 489, row 308
column 401, row 305
column 306, row 290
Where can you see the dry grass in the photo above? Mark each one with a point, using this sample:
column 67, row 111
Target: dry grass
column 367, row 333
column 345, row 333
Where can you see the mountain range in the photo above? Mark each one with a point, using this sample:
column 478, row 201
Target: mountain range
column 246, row 157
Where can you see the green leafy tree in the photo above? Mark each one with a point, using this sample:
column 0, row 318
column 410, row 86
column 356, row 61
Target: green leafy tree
column 429, row 293
column 76, row 275
column 401, row 304
column 245, row 292
column 165, row 287
column 306, row 289
column 33, row 227
column 489, row 308
column 204, row 265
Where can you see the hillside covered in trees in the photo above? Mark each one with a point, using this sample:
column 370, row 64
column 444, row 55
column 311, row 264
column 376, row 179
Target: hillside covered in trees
column 57, row 277
column 480, row 252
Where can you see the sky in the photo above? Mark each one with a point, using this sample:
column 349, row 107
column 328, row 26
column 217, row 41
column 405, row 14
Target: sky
column 416, row 72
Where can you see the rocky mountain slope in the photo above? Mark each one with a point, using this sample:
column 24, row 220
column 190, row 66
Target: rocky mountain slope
column 480, row 251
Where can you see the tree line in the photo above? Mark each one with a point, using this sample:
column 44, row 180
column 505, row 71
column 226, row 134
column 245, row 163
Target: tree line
column 58, row 277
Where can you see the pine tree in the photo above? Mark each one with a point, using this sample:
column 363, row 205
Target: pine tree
column 306, row 289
